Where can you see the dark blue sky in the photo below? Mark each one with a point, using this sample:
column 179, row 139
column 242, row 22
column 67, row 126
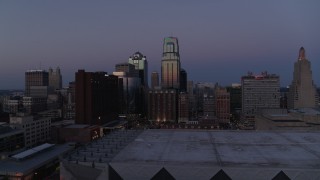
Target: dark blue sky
column 220, row 40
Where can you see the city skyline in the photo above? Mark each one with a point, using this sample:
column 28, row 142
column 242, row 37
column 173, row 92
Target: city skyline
column 219, row 41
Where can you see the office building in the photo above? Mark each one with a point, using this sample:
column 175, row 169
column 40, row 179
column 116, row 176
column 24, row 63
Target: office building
column 36, row 83
column 10, row 139
column 141, row 65
column 302, row 91
column 128, row 68
column 36, row 130
column 235, row 98
column 260, row 92
column 222, row 105
column 163, row 106
column 183, row 80
column 170, row 65
column 183, row 108
column 154, row 80
column 97, row 97
column 55, row 79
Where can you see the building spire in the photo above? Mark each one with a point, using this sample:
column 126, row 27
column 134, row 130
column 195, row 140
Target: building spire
column 302, row 54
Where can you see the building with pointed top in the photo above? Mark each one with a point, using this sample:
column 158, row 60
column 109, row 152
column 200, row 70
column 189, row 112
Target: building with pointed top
column 170, row 65
column 302, row 91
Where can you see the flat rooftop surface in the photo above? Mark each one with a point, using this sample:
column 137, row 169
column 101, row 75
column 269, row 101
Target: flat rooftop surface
column 271, row 149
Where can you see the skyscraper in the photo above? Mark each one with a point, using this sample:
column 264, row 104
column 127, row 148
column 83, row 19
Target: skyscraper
column 302, row 91
column 183, row 80
column 36, row 83
column 141, row 65
column 154, row 80
column 170, row 65
column 55, row 78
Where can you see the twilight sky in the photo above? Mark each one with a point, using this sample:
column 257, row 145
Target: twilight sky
column 220, row 40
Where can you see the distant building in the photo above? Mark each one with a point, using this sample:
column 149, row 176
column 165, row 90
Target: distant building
column 55, row 79
column 235, row 98
column 259, row 92
column 132, row 98
column 208, row 109
column 128, row 68
column 36, row 82
column 34, row 104
column 222, row 105
column 170, row 65
column 36, row 130
column 96, row 97
column 154, row 80
column 302, row 92
column 183, row 80
column 163, row 105
column 183, row 108
column 141, row 65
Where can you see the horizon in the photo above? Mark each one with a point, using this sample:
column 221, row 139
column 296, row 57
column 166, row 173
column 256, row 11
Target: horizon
column 219, row 41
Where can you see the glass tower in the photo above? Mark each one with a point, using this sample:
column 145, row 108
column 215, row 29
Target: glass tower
column 170, row 65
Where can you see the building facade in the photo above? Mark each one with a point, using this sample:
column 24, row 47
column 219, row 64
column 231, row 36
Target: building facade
column 36, row 80
column 163, row 105
column 154, row 80
column 260, row 92
column 222, row 105
column 97, row 97
column 36, row 130
column 302, row 91
column 183, row 108
column 55, row 79
column 141, row 65
column 170, row 65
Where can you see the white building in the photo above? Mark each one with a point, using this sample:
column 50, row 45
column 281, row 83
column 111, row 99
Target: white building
column 259, row 92
column 36, row 130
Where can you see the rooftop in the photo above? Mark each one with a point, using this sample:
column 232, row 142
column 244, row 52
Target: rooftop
column 11, row 166
column 200, row 154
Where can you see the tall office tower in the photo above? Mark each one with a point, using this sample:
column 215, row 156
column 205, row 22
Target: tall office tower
column 154, row 80
column 302, row 91
column 132, row 98
column 36, row 83
column 183, row 80
column 170, row 65
column 259, row 92
column 128, row 68
column 141, row 65
column 55, row 78
column 222, row 105
column 97, row 97
column 163, row 105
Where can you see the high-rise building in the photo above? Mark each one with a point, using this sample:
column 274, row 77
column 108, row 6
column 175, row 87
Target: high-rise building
column 170, row 65
column 154, row 80
column 235, row 98
column 36, row 83
column 302, row 91
column 260, row 92
column 141, row 65
column 183, row 108
column 222, row 105
column 128, row 68
column 183, row 80
column 55, row 79
column 96, row 97
column 163, row 105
